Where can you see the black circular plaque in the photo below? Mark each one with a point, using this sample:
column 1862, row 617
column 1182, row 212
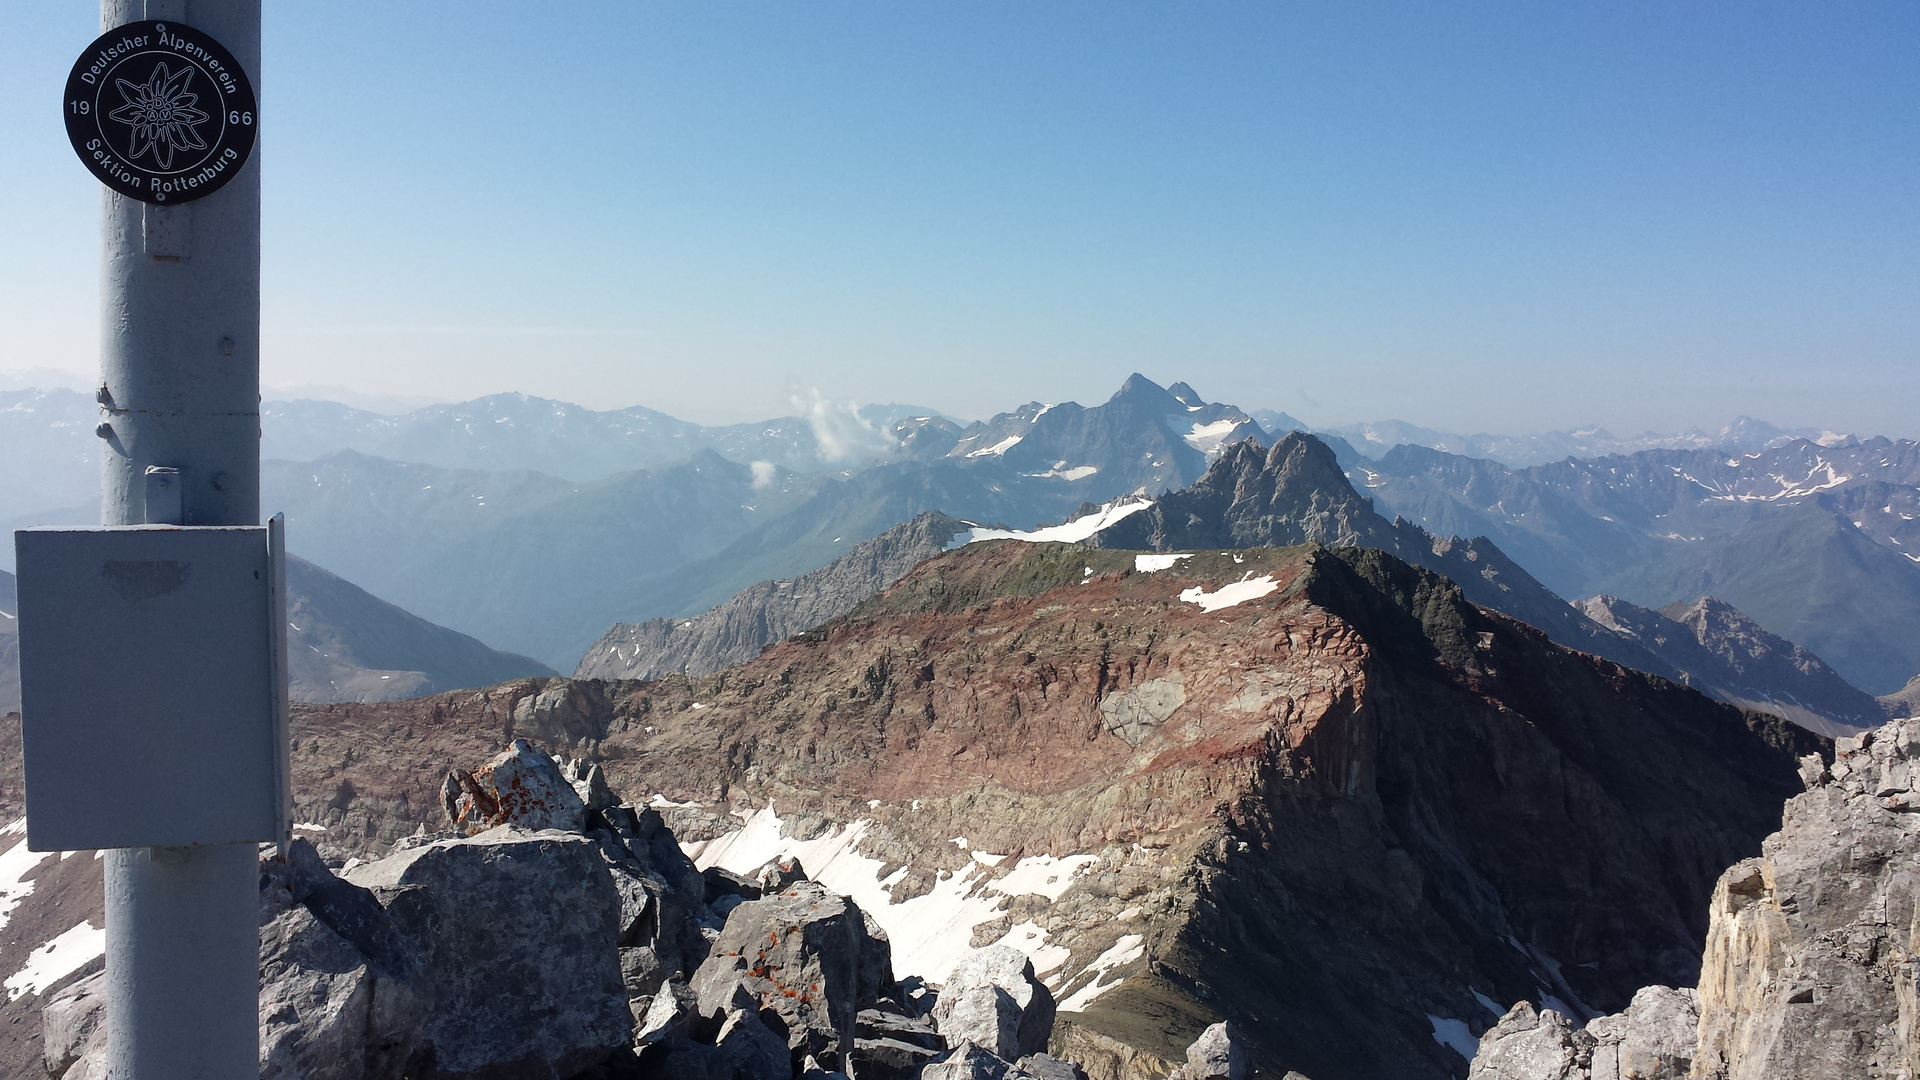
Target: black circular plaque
column 160, row 112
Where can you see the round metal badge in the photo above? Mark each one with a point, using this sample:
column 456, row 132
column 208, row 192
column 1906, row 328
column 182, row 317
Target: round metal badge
column 160, row 112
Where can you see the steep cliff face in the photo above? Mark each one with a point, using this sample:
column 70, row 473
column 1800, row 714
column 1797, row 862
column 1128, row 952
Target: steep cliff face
column 1810, row 960
column 1314, row 791
column 737, row 630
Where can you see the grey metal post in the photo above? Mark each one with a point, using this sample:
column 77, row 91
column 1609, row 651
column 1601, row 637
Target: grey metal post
column 180, row 405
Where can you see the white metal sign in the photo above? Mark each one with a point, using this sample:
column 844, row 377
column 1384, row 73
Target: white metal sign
column 153, row 685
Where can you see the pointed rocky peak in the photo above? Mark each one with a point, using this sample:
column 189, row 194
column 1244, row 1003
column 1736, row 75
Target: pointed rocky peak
column 1143, row 392
column 1184, row 395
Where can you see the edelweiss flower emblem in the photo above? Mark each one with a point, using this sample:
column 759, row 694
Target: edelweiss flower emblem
column 162, row 115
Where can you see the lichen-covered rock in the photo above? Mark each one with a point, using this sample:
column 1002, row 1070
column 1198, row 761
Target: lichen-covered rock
column 806, row 955
column 1045, row 1067
column 1811, row 952
column 517, row 933
column 522, row 786
column 994, row 999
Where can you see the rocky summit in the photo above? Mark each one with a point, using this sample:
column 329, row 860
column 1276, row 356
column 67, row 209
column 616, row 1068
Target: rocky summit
column 1312, row 792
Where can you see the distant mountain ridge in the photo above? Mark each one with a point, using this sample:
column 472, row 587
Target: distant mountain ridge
column 1723, row 653
column 1819, row 544
column 737, row 631
column 1519, row 451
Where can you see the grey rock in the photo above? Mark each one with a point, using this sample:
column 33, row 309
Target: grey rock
column 966, row 1062
column 890, row 1059
column 590, row 783
column 750, row 1050
column 879, row 1024
column 536, row 912
column 73, row 1031
column 1652, row 1039
column 983, row 1014
column 1218, row 1054
column 778, row 874
column 326, row 1013
column 522, row 786
column 1046, row 1067
column 1134, row 714
column 806, row 955
column 1811, row 948
column 965, row 1011
column 1533, row 1045
column 642, row 972
column 666, row 1017
column 719, row 882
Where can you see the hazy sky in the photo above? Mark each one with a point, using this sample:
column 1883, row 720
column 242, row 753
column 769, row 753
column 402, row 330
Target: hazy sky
column 1501, row 217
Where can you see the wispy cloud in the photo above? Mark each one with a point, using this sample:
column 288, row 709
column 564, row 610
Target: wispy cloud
column 842, row 433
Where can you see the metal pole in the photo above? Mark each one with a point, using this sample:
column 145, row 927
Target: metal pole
column 180, row 373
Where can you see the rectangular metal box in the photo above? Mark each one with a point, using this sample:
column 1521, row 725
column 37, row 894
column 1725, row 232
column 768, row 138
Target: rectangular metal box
column 153, row 685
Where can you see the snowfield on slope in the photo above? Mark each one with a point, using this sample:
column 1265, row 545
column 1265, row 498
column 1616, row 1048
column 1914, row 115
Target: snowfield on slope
column 930, row 933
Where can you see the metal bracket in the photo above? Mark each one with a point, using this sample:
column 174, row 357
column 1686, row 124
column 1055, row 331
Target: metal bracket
column 166, row 496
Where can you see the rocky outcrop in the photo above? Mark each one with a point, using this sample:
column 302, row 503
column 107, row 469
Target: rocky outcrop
column 993, row 999
column 523, row 787
column 1809, row 968
column 1904, row 702
column 1719, row 651
column 1652, row 1039
column 807, row 955
column 1218, row 1054
column 536, row 912
column 736, row 631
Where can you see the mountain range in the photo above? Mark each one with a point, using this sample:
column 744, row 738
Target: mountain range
column 1819, row 544
column 580, row 522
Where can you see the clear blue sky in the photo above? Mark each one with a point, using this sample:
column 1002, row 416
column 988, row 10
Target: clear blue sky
column 1500, row 217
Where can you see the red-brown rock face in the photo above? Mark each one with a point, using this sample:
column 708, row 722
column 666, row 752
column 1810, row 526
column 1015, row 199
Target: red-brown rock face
column 1312, row 790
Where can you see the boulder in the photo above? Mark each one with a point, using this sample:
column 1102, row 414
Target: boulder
column 1046, row 1067
column 1653, row 1039
column 890, row 1059
column 966, row 1062
column 719, row 882
column 340, row 996
column 993, row 998
column 1533, row 1045
column 1218, row 1054
column 750, row 1050
column 805, row 954
column 590, row 783
column 522, row 786
column 779, row 873
column 517, row 934
column 73, row 1034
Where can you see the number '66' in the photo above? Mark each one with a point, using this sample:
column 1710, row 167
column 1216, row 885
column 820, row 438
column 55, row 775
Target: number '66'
column 238, row 117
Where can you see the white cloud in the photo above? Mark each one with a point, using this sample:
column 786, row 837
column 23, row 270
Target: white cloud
column 841, row 432
column 762, row 473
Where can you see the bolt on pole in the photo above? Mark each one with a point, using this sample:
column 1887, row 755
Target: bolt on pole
column 180, row 431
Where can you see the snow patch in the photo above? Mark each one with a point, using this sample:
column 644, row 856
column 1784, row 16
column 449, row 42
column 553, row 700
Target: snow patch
column 930, row 933
column 1229, row 595
column 1129, row 948
column 1147, row 564
column 57, row 959
column 1209, row 438
column 1072, row 532
column 13, row 867
column 999, row 448
column 1454, row 1035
